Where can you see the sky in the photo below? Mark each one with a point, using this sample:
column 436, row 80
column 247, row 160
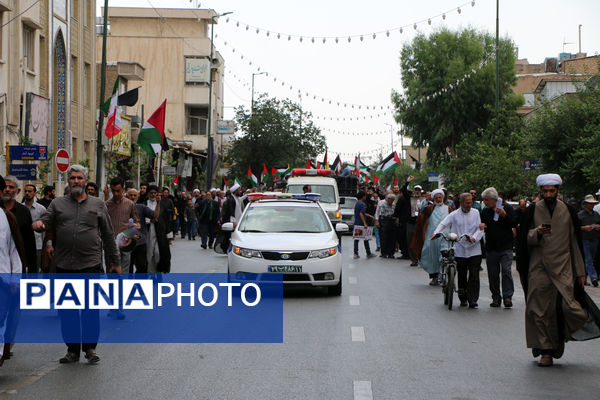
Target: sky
column 365, row 72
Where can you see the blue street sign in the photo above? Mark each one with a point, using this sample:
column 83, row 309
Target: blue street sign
column 24, row 172
column 37, row 153
column 532, row 165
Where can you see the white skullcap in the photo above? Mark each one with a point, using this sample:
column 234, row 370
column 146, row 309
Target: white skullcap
column 438, row 191
column 196, row 190
column 235, row 187
column 548, row 180
column 418, row 187
column 213, row 190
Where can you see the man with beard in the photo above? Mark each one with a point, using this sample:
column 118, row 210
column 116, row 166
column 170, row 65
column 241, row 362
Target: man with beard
column 77, row 220
column 23, row 216
column 465, row 221
column 49, row 194
column 36, row 210
column 426, row 250
column 143, row 193
column 232, row 212
column 552, row 271
column 92, row 189
column 157, row 252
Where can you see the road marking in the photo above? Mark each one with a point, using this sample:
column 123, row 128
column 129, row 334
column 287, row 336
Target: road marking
column 354, row 301
column 358, row 333
column 362, row 390
column 353, row 280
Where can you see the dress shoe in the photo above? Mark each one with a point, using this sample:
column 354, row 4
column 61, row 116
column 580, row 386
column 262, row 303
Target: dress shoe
column 69, row 358
column 545, row 361
column 495, row 303
column 356, row 256
column 91, row 356
column 464, row 303
column 595, row 282
column 414, row 264
column 473, row 305
column 508, row 303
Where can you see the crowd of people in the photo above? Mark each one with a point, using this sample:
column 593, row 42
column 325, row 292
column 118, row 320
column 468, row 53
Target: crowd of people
column 556, row 245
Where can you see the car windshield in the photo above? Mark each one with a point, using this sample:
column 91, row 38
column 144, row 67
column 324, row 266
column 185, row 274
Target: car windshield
column 282, row 219
column 349, row 203
column 326, row 191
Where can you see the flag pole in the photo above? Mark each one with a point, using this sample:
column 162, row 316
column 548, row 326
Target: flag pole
column 102, row 85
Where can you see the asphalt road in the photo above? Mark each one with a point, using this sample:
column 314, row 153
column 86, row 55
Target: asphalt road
column 387, row 337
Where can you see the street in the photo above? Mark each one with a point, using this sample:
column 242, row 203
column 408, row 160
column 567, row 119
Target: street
column 387, row 337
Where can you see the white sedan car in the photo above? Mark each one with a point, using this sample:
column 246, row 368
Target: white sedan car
column 287, row 234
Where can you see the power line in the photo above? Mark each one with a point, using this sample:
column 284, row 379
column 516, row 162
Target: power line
column 19, row 14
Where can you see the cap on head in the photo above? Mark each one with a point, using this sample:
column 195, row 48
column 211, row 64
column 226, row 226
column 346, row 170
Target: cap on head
column 590, row 199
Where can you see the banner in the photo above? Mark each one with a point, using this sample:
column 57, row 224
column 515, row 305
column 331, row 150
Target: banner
column 362, row 232
column 178, row 308
column 122, row 140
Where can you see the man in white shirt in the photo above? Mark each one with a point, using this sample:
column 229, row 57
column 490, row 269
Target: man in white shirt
column 465, row 221
column 36, row 210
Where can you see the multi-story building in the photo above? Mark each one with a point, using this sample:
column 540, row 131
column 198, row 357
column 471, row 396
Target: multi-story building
column 174, row 47
column 47, row 72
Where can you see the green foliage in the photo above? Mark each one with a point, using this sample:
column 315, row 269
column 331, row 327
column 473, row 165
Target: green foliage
column 278, row 133
column 493, row 157
column 430, row 64
column 566, row 135
column 84, row 163
column 25, row 140
column 44, row 167
column 402, row 173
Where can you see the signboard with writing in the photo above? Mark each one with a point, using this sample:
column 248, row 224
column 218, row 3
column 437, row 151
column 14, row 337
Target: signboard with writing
column 225, row 127
column 37, row 153
column 24, row 172
column 433, row 177
column 532, row 165
column 36, row 118
column 169, row 170
column 197, row 70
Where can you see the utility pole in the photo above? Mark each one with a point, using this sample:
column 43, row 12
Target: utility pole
column 497, row 67
column 580, row 38
column 102, row 85
column 252, row 102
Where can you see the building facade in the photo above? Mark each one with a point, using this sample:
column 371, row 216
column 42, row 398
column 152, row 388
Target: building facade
column 47, row 77
column 174, row 47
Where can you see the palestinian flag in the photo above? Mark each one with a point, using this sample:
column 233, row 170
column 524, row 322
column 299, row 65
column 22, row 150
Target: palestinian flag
column 175, row 183
column 308, row 165
column 318, row 165
column 252, row 178
column 390, row 162
column 225, row 186
column 152, row 134
column 395, row 179
column 375, row 179
column 113, row 124
column 238, row 182
column 264, row 173
column 337, row 165
column 359, row 167
column 281, row 171
column 274, row 171
column 128, row 99
column 325, row 163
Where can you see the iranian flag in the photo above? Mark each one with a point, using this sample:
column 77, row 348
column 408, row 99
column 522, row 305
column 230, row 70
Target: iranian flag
column 251, row 177
column 264, row 173
column 152, row 133
column 113, row 124
column 390, row 162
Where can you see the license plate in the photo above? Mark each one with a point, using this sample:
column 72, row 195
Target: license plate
column 285, row 268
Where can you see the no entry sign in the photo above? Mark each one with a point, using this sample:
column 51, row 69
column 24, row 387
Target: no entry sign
column 62, row 160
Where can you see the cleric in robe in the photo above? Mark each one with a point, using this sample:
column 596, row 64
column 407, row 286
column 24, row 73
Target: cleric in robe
column 552, row 271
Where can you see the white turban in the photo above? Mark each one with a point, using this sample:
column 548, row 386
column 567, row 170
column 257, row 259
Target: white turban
column 235, row 187
column 548, row 180
column 437, row 191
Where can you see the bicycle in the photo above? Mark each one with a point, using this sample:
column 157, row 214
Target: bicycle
column 448, row 268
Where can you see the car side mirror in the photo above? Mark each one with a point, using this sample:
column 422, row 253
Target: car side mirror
column 342, row 201
column 227, row 227
column 341, row 227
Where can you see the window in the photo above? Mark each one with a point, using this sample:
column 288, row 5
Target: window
column 74, row 151
column 197, row 120
column 43, row 64
column 28, row 47
column 87, row 73
column 327, row 192
column 74, row 77
column 75, row 9
column 284, row 219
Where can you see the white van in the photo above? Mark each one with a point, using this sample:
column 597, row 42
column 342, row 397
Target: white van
column 321, row 182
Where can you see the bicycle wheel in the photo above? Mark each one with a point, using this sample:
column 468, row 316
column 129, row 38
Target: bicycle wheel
column 450, row 286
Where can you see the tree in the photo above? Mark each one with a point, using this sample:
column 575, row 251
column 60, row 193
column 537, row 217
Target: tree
column 435, row 63
column 566, row 136
column 278, row 133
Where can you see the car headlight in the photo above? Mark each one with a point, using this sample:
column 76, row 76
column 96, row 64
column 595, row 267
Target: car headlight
column 248, row 253
column 323, row 253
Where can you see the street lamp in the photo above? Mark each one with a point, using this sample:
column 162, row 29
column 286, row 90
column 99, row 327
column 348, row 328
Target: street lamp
column 208, row 145
column 252, row 103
